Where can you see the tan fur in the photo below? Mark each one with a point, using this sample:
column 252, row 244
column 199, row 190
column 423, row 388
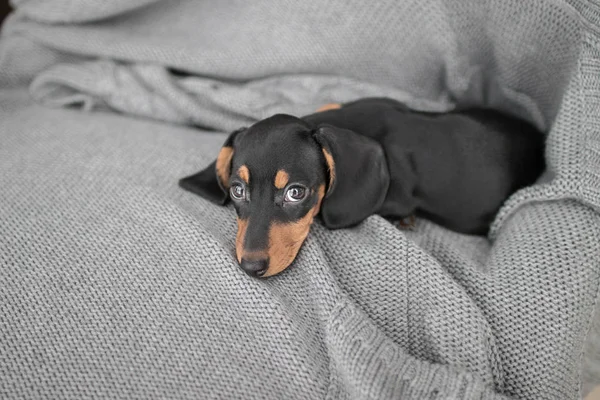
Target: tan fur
column 244, row 173
column 317, row 208
column 330, row 167
column 281, row 179
column 223, row 165
column 285, row 240
column 239, row 240
column 329, row 106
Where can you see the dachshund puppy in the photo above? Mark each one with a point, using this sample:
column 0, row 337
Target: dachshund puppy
column 371, row 156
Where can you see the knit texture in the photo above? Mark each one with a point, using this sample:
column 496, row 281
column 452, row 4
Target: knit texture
column 115, row 283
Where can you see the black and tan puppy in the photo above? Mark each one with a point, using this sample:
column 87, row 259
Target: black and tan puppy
column 371, row 156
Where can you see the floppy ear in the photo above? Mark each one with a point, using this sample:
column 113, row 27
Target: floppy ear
column 358, row 176
column 212, row 183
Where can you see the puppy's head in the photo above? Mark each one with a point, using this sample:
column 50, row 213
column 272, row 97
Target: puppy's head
column 279, row 174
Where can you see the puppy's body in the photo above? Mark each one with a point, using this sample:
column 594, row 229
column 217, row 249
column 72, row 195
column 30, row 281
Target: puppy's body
column 453, row 168
column 371, row 156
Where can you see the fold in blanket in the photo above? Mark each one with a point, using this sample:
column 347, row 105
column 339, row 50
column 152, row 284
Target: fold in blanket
column 431, row 56
column 116, row 283
column 152, row 91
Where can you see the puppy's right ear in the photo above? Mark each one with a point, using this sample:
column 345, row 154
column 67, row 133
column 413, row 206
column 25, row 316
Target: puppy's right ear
column 212, row 183
column 359, row 178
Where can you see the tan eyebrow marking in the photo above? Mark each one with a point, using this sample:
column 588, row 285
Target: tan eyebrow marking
column 244, row 173
column 281, row 179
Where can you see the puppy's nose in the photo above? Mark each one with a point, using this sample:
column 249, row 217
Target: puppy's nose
column 255, row 268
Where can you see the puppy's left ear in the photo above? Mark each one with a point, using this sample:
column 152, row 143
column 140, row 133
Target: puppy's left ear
column 358, row 176
column 212, row 183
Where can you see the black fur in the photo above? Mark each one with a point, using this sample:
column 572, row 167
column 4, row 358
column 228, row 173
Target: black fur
column 454, row 168
column 361, row 179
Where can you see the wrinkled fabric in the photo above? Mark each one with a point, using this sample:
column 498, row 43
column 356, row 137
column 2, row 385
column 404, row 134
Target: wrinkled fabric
column 116, row 283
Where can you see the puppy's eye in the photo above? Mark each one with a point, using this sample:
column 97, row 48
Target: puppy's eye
column 237, row 191
column 295, row 193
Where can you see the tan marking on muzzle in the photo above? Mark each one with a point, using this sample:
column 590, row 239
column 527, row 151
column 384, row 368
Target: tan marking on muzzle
column 285, row 240
column 281, row 179
column 244, row 173
column 239, row 239
column 329, row 106
column 223, row 165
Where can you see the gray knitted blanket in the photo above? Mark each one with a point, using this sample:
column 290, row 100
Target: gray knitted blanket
column 115, row 283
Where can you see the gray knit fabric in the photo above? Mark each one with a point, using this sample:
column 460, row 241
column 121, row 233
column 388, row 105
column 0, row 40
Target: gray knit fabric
column 115, row 283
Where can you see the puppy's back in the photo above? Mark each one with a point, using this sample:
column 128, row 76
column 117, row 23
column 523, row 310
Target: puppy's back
column 465, row 163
